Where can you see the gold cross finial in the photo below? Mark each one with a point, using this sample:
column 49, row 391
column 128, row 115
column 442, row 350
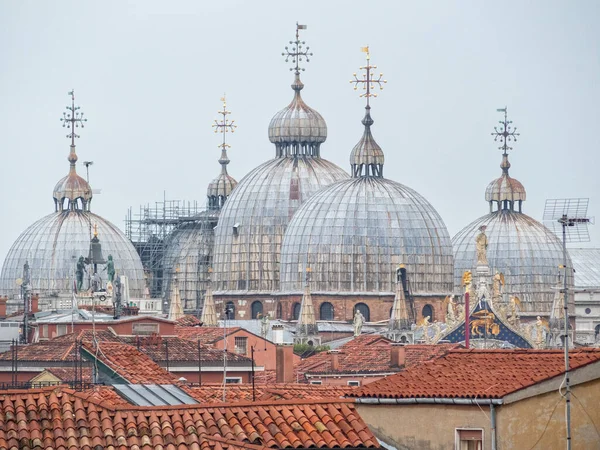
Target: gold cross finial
column 95, row 230
column 73, row 118
column 367, row 79
column 505, row 133
column 225, row 125
column 297, row 51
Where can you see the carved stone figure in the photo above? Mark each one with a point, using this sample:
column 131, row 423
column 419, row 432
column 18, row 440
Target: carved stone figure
column 450, row 306
column 481, row 244
column 358, row 322
column 264, row 325
column 79, row 273
column 96, row 283
column 497, row 285
column 110, row 268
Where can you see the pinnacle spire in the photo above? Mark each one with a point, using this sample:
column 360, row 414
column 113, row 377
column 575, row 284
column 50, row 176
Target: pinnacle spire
column 307, row 330
column 175, row 308
column 209, row 313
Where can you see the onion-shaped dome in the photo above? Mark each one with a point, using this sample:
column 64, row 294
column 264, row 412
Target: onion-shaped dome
column 354, row 233
column 72, row 189
column 297, row 129
column 221, row 187
column 524, row 250
column 52, row 246
column 505, row 190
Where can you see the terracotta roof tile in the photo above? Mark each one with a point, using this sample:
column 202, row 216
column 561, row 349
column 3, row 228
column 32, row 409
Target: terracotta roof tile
column 369, row 354
column 129, row 363
column 188, row 321
column 61, row 417
column 477, row 373
column 213, row 393
column 206, row 335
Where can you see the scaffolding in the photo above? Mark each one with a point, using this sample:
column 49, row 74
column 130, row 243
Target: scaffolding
column 149, row 231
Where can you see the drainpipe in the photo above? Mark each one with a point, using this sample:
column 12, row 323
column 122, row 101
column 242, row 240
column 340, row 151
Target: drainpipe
column 493, row 420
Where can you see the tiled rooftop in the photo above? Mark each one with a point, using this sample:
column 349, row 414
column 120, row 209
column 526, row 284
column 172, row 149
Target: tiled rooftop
column 213, row 393
column 129, row 363
column 188, row 321
column 369, row 354
column 44, row 351
column 206, row 335
column 476, row 373
column 63, row 418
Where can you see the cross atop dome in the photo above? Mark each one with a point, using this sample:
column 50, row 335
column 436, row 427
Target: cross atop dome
column 297, row 53
column 368, row 81
column 73, row 118
column 505, row 133
column 225, row 125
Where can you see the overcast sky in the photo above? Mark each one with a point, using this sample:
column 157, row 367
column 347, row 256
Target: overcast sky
column 149, row 75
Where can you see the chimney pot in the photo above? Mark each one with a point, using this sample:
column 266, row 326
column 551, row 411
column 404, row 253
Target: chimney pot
column 335, row 359
column 397, row 355
column 3, row 301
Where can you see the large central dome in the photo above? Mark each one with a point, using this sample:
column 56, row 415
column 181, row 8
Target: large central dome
column 253, row 220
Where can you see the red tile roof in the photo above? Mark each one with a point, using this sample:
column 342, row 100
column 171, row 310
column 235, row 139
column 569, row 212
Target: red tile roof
column 188, row 321
column 63, row 418
column 129, row 363
column 369, row 354
column 213, row 393
column 43, row 351
column 206, row 335
column 69, row 373
column 477, row 373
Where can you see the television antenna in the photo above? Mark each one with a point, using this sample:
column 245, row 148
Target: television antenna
column 569, row 216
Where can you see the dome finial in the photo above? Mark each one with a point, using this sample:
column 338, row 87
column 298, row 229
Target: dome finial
column 505, row 191
column 72, row 187
column 367, row 157
column 296, row 53
column 220, row 188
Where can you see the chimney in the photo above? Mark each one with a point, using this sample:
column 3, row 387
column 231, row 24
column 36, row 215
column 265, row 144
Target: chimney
column 397, row 355
column 277, row 334
column 3, row 301
column 335, row 359
column 35, row 302
column 284, row 362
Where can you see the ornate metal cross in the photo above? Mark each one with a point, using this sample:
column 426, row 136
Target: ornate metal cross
column 73, row 118
column 367, row 81
column 224, row 126
column 505, row 133
column 297, row 51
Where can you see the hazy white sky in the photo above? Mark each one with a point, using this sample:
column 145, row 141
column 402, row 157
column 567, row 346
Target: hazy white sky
column 149, row 75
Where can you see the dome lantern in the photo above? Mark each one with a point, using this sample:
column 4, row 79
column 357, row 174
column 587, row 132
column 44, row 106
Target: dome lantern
column 220, row 188
column 72, row 192
column 367, row 158
column 297, row 129
column 505, row 192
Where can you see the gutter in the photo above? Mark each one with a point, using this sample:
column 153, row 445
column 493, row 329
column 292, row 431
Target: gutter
column 429, row 401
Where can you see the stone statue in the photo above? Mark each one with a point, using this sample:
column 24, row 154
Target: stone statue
column 110, row 268
column 79, row 273
column 264, row 325
column 117, row 297
column 497, row 285
column 514, row 307
column 450, row 306
column 481, row 244
column 358, row 322
column 399, row 274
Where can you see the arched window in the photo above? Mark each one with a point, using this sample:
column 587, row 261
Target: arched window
column 257, row 310
column 296, row 311
column 230, row 311
column 597, row 332
column 364, row 310
column 428, row 311
column 326, row 311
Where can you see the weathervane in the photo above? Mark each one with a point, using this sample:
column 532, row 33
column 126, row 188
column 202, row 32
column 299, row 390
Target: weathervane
column 297, row 51
column 367, row 81
column 73, row 117
column 224, row 126
column 505, row 133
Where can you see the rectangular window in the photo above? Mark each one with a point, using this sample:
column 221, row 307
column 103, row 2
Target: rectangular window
column 469, row 439
column 241, row 345
column 61, row 330
column 353, row 383
column 232, row 380
column 144, row 329
column 44, row 331
column 316, row 382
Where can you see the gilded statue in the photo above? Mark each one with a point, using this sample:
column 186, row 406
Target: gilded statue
column 497, row 285
column 514, row 306
column 450, row 306
column 481, row 244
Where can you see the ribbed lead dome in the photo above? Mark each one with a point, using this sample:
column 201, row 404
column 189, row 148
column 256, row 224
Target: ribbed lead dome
column 505, row 189
column 72, row 189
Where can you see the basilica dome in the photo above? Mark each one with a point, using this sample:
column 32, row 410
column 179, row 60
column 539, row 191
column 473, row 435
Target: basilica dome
column 523, row 249
column 52, row 245
column 353, row 234
column 254, row 218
